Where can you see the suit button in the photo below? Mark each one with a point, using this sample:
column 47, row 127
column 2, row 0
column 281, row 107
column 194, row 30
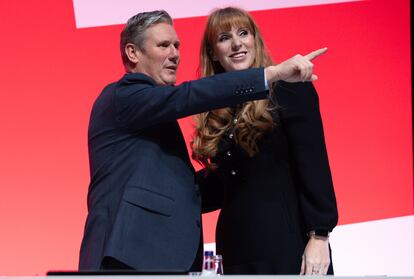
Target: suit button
column 251, row 90
column 198, row 223
column 233, row 172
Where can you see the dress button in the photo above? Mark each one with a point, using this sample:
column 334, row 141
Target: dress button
column 235, row 121
column 228, row 153
column 233, row 172
column 231, row 135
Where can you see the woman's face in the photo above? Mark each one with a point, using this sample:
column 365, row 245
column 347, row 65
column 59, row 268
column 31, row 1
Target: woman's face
column 235, row 49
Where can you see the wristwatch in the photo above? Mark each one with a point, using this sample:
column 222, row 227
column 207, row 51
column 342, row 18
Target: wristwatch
column 319, row 234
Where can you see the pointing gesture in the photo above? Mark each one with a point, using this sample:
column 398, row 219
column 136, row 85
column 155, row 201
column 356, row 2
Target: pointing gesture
column 315, row 53
column 298, row 68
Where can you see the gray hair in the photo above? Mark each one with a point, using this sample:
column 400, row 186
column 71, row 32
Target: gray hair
column 134, row 30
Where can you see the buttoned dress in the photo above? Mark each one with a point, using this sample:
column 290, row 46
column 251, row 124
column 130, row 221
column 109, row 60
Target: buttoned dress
column 271, row 200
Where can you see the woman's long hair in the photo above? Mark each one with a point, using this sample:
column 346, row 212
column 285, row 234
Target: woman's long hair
column 253, row 118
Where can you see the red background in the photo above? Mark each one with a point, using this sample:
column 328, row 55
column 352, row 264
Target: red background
column 51, row 73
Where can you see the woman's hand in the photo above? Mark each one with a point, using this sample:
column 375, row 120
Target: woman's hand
column 298, row 68
column 315, row 259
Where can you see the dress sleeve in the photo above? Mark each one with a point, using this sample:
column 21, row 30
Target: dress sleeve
column 212, row 190
column 300, row 118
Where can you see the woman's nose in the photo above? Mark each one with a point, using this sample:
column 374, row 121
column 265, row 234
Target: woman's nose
column 235, row 43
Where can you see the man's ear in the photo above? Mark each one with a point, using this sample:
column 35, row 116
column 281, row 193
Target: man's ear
column 132, row 53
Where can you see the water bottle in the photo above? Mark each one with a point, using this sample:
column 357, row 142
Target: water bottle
column 218, row 265
column 208, row 264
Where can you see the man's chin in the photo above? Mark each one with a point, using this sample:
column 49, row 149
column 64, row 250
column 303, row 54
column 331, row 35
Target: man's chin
column 170, row 80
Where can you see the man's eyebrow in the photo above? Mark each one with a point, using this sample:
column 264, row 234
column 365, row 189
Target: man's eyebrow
column 164, row 42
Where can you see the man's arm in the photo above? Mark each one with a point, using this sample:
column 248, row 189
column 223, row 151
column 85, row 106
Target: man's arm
column 140, row 103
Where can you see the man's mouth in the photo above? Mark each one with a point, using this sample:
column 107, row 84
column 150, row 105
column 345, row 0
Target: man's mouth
column 172, row 67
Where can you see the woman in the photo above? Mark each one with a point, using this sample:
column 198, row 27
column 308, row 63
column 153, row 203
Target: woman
column 278, row 203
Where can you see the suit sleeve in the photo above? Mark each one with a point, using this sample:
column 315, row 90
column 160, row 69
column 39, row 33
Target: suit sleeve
column 301, row 120
column 139, row 102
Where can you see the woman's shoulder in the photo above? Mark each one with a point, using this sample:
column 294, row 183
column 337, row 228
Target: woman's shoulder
column 294, row 94
column 293, row 87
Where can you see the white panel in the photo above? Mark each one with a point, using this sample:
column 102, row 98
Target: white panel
column 91, row 13
column 382, row 247
column 376, row 248
column 210, row 247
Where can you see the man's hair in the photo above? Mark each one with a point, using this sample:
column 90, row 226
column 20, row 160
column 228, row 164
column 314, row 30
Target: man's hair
column 134, row 30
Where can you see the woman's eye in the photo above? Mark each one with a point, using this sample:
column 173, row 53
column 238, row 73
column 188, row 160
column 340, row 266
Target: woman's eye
column 243, row 33
column 223, row 38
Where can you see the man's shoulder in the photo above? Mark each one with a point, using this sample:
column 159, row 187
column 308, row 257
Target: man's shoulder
column 134, row 78
column 110, row 86
column 127, row 80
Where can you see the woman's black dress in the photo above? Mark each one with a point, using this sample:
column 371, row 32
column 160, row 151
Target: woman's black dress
column 271, row 200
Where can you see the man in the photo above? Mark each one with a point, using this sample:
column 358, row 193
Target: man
column 144, row 202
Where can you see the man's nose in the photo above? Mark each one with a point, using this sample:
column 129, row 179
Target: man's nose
column 174, row 54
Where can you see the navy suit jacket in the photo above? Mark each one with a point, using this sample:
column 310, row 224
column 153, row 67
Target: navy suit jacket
column 144, row 205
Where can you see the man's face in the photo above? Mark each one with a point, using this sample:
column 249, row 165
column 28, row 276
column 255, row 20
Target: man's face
column 160, row 56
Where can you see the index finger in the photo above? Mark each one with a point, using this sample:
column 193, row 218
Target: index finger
column 315, row 53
